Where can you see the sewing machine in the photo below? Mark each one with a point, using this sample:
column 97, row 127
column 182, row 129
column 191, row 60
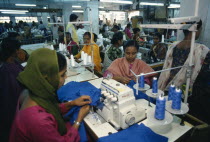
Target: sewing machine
column 120, row 108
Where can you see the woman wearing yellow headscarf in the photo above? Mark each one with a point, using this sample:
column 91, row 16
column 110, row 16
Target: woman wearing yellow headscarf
column 40, row 116
column 87, row 49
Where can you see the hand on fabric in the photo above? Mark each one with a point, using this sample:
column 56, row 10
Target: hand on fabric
column 83, row 100
column 83, row 112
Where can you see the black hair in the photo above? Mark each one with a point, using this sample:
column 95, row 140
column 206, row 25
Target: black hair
column 116, row 27
column 8, row 47
column 117, row 36
column 73, row 17
column 130, row 43
column 88, row 34
column 40, row 22
column 61, row 61
column 68, row 33
column 199, row 25
column 158, row 35
column 128, row 25
column 13, row 35
column 95, row 37
column 136, row 30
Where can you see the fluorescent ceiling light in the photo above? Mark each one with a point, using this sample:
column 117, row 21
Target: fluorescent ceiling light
column 44, row 7
column 174, row 6
column 48, row 17
column 7, row 10
column 153, row 4
column 25, row 4
column 117, row 1
column 77, row 11
column 13, row 12
column 101, row 7
column 76, row 6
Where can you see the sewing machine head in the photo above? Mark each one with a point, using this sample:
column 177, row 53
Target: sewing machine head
column 120, row 107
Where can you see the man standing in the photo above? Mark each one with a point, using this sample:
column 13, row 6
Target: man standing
column 71, row 28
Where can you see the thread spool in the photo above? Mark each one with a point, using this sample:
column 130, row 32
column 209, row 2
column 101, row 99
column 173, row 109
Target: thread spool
column 89, row 59
column 51, row 47
column 72, row 61
column 172, row 34
column 160, row 108
column 85, row 59
column 162, row 39
column 141, row 81
column 171, row 92
column 176, row 100
column 82, row 55
column 154, row 85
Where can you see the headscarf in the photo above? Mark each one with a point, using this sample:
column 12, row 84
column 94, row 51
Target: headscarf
column 41, row 77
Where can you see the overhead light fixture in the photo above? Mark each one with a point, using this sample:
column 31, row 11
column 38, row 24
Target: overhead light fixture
column 117, row 1
column 152, row 4
column 7, row 10
column 77, row 11
column 76, row 6
column 101, row 7
column 25, row 4
column 44, row 7
column 174, row 6
column 13, row 12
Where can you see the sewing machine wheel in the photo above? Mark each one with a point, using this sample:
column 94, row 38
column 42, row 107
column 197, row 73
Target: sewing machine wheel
column 130, row 119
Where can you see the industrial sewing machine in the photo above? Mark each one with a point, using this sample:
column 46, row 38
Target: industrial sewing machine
column 120, row 108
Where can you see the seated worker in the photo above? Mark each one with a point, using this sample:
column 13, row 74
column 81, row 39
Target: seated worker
column 72, row 46
column 178, row 55
column 115, row 28
column 39, row 118
column 113, row 52
column 128, row 31
column 137, row 38
column 87, row 49
column 120, row 68
column 158, row 49
column 10, row 88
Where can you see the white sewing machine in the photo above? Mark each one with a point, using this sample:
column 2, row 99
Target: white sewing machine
column 120, row 107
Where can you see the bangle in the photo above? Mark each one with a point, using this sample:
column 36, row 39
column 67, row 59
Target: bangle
column 77, row 123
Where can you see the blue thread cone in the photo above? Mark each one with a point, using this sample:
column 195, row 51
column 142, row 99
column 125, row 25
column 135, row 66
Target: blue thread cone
column 171, row 92
column 141, row 81
column 176, row 100
column 160, row 108
column 154, row 85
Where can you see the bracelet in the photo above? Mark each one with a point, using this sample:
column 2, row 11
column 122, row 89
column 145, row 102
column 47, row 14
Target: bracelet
column 77, row 123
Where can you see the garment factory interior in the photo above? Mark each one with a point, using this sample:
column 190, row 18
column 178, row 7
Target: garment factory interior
column 104, row 70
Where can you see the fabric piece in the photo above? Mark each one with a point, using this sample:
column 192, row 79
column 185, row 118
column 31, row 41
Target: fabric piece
column 134, row 133
column 35, row 124
column 10, row 90
column 199, row 54
column 74, row 90
column 42, row 68
column 96, row 54
column 120, row 67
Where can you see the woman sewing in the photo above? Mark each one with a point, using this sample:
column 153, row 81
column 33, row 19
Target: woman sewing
column 120, row 68
column 88, row 48
column 39, row 117
column 178, row 55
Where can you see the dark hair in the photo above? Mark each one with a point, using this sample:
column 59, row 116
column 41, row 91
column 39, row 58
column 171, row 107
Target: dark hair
column 117, row 36
column 73, row 17
column 13, row 35
column 130, row 43
column 199, row 25
column 88, row 34
column 136, row 30
column 68, row 33
column 158, row 35
column 8, row 47
column 95, row 37
column 116, row 27
column 40, row 22
column 128, row 25
column 61, row 61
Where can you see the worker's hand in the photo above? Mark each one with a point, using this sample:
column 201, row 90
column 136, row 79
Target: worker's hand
column 124, row 80
column 83, row 100
column 83, row 112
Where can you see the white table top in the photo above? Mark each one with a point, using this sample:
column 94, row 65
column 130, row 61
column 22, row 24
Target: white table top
column 173, row 130
column 79, row 75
